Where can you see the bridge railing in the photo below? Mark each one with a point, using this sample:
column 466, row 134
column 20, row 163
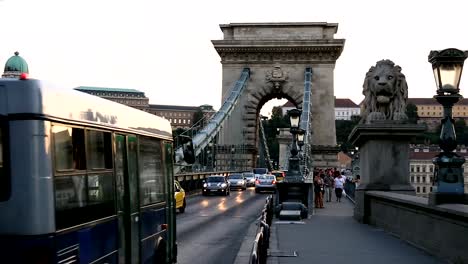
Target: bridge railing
column 194, row 181
column 262, row 239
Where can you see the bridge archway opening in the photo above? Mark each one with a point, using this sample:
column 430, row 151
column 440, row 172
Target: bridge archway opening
column 270, row 127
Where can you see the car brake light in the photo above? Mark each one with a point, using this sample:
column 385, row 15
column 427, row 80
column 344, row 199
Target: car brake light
column 164, row 227
column 257, row 181
column 273, row 182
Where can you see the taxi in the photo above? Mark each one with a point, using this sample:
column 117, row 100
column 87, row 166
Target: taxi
column 179, row 194
column 279, row 175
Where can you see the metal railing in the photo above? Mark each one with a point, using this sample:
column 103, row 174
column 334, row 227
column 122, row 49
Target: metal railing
column 264, row 145
column 262, row 239
column 306, row 119
column 350, row 188
column 210, row 130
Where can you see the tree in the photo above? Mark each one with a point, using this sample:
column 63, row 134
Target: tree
column 412, row 113
column 197, row 116
column 343, row 129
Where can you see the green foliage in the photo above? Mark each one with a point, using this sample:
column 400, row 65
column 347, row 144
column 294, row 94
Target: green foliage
column 197, row 116
column 271, row 127
column 343, row 129
column 412, row 113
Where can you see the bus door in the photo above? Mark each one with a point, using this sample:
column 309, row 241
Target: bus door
column 126, row 166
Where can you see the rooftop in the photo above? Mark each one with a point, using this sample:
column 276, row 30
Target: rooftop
column 174, row 107
column 345, row 102
column 106, row 89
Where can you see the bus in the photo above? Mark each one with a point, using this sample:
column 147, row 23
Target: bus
column 83, row 179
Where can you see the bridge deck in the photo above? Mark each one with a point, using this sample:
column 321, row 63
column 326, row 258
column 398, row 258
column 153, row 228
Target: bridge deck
column 331, row 235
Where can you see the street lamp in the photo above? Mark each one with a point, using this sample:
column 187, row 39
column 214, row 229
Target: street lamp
column 294, row 170
column 233, row 151
column 448, row 174
column 300, row 138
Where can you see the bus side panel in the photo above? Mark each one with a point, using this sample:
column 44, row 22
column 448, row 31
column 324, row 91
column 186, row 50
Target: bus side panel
column 27, row 249
column 151, row 220
column 90, row 243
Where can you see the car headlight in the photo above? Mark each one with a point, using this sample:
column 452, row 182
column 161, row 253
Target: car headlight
column 204, row 185
column 224, row 185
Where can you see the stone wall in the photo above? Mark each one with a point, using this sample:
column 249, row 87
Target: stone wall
column 440, row 230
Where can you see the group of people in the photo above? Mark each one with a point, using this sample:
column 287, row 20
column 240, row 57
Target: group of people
column 327, row 181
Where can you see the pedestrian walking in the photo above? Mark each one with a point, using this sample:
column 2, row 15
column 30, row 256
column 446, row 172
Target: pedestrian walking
column 329, row 186
column 339, row 185
column 318, row 191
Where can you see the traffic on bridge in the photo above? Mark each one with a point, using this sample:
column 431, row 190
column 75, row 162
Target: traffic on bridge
column 87, row 176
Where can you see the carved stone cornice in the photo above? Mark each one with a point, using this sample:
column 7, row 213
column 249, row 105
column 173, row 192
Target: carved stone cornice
column 232, row 51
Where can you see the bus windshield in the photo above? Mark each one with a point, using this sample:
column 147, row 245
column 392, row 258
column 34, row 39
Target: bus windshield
column 260, row 170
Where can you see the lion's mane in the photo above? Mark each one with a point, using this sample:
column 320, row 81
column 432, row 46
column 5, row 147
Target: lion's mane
column 395, row 108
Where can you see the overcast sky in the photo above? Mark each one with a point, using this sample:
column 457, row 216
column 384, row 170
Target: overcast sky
column 164, row 48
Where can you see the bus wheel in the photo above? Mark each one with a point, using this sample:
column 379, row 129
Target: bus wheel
column 182, row 209
column 160, row 253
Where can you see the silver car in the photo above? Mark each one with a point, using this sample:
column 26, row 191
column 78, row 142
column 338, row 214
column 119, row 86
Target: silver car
column 265, row 182
column 249, row 178
column 237, row 181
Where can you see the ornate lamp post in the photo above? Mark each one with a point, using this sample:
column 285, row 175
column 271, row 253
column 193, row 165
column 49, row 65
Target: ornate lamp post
column 233, row 152
column 294, row 171
column 448, row 174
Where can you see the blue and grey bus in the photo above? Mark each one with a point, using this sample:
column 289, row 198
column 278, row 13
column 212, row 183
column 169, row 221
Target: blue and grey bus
column 83, row 179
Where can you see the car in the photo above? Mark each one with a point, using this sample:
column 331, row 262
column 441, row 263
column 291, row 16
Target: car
column 179, row 195
column 265, row 182
column 279, row 175
column 237, row 181
column 249, row 178
column 216, row 184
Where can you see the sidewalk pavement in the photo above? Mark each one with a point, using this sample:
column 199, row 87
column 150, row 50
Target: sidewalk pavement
column 331, row 235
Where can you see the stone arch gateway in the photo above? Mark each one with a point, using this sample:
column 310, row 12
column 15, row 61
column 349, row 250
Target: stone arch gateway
column 277, row 55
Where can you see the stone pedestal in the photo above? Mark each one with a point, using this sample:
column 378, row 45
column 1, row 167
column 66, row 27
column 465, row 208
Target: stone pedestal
column 384, row 159
column 324, row 156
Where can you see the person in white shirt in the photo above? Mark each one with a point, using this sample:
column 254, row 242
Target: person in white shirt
column 339, row 185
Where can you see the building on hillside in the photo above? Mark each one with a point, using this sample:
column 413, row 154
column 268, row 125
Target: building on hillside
column 430, row 112
column 183, row 116
column 208, row 112
column 344, row 161
column 129, row 97
column 286, row 107
column 345, row 108
column 15, row 66
column 422, row 168
column 179, row 116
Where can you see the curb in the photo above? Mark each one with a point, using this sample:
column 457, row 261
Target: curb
column 273, row 246
column 243, row 256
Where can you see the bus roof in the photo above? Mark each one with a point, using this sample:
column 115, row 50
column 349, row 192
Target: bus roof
column 35, row 99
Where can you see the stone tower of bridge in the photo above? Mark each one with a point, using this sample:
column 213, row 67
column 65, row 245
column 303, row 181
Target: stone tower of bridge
column 277, row 55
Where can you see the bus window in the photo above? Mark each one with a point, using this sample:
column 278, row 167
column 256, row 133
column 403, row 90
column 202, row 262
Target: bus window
column 152, row 181
column 99, row 155
column 69, row 148
column 100, row 188
column 4, row 175
column 82, row 195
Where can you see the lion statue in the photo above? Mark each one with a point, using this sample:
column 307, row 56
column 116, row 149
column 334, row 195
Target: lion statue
column 386, row 93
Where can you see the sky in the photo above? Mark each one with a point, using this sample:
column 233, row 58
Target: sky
column 164, row 49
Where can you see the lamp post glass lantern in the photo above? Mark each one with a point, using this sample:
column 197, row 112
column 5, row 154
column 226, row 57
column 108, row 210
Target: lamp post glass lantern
column 300, row 138
column 447, row 66
column 294, row 170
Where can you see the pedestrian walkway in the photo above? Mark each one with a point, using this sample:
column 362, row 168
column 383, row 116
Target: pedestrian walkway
column 331, row 235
